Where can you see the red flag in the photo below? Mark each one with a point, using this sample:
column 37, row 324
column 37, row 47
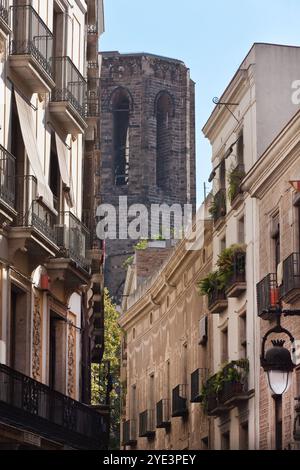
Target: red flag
column 296, row 185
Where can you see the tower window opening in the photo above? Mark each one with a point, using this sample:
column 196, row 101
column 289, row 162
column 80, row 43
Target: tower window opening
column 121, row 111
column 164, row 111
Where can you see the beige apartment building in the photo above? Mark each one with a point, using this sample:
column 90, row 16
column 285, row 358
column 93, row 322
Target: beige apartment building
column 251, row 112
column 50, row 267
column 278, row 213
column 166, row 347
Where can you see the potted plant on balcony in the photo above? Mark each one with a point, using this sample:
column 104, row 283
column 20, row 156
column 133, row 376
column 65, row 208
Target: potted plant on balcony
column 235, row 177
column 218, row 205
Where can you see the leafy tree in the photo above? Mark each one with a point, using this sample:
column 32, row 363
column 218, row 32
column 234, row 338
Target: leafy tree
column 112, row 342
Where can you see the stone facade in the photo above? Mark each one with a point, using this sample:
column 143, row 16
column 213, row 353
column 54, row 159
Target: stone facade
column 157, row 96
column 161, row 317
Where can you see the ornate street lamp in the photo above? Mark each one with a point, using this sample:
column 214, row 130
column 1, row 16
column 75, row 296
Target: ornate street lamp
column 277, row 361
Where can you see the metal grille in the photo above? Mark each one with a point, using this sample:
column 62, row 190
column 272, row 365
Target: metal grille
column 179, row 400
column 291, row 274
column 31, row 36
column 267, row 294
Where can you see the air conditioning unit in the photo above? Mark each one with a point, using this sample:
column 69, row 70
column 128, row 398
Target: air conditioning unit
column 203, row 330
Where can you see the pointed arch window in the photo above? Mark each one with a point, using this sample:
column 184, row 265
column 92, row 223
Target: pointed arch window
column 164, row 113
column 121, row 141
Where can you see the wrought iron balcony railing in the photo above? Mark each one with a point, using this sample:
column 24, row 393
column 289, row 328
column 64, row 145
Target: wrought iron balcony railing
column 198, row 378
column 129, row 433
column 4, row 11
column 7, row 177
column 163, row 418
column 179, row 401
column 31, row 405
column 237, row 283
column 290, row 288
column 70, row 84
column 267, row 296
column 146, row 424
column 74, row 240
column 31, row 211
column 31, row 36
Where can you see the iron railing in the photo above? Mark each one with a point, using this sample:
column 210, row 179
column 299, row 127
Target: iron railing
column 179, row 400
column 31, row 211
column 198, row 378
column 74, row 239
column 31, row 36
column 4, row 11
column 267, row 294
column 70, row 84
column 36, row 407
column 7, row 177
column 163, row 418
column 237, row 386
column 291, row 275
column 146, row 424
column 129, row 433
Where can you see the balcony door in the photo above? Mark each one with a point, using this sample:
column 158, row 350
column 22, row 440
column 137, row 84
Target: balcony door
column 57, row 353
column 19, row 340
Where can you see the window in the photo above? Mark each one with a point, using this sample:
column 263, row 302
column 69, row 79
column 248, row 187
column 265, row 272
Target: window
column 243, row 335
column 224, row 345
column 222, row 174
column 18, row 329
column 54, row 178
column 240, row 149
column 121, row 142
column 204, row 443
column 241, row 230
column 164, row 112
column 276, row 240
column 222, row 244
column 151, row 318
column 244, row 436
column 151, row 392
column 133, row 333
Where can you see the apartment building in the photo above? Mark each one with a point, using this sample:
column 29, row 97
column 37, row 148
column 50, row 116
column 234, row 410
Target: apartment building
column 253, row 109
column 166, row 346
column 50, row 267
column 278, row 274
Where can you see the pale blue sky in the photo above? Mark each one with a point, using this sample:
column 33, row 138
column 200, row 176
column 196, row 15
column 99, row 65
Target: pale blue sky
column 211, row 37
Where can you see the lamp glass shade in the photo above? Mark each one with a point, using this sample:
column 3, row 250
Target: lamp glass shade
column 279, row 381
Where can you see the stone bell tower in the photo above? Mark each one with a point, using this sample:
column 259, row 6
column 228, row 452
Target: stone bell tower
column 147, row 141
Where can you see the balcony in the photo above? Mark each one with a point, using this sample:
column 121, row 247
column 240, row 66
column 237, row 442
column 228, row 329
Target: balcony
column 235, row 386
column 4, row 17
column 218, row 206
column 237, row 283
column 146, row 424
column 179, row 401
column 198, row 378
column 290, row 288
column 129, row 433
column 267, row 296
column 217, row 300
column 31, row 50
column 67, row 104
column 163, row 418
column 34, row 226
column 7, row 183
column 31, row 405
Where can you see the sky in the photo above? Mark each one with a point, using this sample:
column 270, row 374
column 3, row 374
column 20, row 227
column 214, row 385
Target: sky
column 211, row 37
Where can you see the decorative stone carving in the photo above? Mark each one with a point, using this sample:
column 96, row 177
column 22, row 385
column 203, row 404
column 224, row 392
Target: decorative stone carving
column 36, row 338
